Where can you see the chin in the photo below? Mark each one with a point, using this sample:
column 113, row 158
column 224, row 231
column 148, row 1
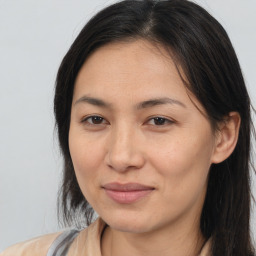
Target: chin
column 127, row 222
column 128, row 227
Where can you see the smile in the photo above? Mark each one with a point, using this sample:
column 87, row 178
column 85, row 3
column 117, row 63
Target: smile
column 127, row 193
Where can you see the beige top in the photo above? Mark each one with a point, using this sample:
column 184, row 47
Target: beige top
column 86, row 243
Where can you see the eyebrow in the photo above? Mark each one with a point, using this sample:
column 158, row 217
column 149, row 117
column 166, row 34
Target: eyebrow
column 142, row 105
column 93, row 101
column 159, row 101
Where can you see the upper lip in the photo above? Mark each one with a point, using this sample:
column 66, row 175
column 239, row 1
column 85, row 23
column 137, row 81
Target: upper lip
column 115, row 186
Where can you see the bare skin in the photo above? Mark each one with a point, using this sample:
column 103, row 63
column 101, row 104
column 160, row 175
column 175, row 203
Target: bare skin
column 133, row 122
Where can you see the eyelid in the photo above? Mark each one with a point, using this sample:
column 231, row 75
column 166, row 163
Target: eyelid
column 167, row 119
column 85, row 120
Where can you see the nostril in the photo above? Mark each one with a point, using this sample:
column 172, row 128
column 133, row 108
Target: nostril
column 122, row 162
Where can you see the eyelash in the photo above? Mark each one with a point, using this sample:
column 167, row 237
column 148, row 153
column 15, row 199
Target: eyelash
column 85, row 120
column 154, row 119
column 160, row 118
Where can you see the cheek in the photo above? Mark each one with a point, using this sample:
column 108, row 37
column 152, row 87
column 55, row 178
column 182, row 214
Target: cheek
column 86, row 156
column 175, row 156
column 184, row 164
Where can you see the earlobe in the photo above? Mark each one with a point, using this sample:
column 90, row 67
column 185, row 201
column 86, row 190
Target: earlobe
column 227, row 137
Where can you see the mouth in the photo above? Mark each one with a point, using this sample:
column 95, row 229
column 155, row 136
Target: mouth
column 127, row 193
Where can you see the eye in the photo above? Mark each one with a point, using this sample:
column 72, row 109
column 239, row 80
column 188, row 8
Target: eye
column 160, row 121
column 94, row 120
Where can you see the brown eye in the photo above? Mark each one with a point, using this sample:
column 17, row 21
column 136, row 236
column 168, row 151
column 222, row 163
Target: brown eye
column 159, row 121
column 94, row 120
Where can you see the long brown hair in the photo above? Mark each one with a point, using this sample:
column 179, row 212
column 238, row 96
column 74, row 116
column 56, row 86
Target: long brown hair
column 201, row 47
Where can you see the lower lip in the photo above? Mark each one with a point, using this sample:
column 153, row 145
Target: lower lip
column 127, row 197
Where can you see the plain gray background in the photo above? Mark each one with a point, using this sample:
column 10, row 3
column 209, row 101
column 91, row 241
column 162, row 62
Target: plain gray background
column 34, row 36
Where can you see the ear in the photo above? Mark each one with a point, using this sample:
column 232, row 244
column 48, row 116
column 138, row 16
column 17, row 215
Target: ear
column 226, row 137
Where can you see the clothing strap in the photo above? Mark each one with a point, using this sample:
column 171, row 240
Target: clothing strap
column 61, row 244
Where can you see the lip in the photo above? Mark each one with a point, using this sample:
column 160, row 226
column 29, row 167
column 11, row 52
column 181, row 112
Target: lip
column 127, row 193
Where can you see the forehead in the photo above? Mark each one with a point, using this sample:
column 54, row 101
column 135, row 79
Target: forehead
column 122, row 57
column 130, row 71
column 135, row 60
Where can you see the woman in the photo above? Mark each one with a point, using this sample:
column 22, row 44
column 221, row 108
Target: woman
column 154, row 124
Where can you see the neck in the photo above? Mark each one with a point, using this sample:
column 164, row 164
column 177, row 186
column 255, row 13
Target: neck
column 186, row 241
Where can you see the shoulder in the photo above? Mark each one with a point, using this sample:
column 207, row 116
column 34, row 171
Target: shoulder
column 84, row 242
column 36, row 246
column 88, row 241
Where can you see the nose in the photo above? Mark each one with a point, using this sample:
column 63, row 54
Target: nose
column 123, row 151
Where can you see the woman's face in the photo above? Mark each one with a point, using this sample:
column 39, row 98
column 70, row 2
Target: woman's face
column 140, row 147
